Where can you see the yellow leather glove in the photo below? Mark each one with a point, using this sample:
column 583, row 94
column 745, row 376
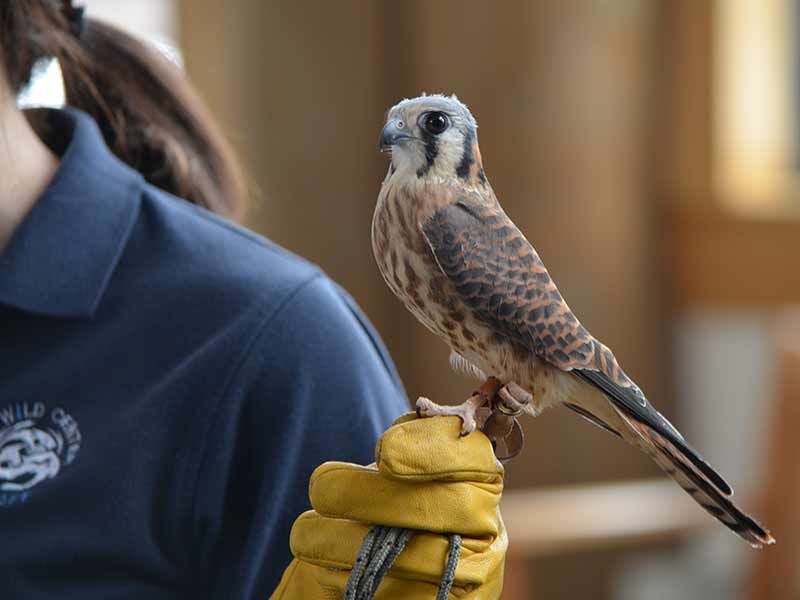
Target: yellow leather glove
column 425, row 477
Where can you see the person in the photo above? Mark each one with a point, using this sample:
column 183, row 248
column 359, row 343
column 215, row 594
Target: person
column 170, row 380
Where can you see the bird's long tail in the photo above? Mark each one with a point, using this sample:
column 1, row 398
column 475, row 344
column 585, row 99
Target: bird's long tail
column 679, row 462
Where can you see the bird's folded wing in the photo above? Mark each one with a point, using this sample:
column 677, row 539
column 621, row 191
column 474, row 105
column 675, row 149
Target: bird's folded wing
column 500, row 277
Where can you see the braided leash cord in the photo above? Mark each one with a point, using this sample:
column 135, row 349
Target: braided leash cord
column 449, row 575
column 378, row 551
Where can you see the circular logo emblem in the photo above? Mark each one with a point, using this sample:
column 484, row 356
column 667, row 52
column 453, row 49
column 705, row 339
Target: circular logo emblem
column 35, row 445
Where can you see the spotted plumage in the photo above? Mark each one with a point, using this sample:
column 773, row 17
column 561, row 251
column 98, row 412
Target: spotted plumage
column 453, row 257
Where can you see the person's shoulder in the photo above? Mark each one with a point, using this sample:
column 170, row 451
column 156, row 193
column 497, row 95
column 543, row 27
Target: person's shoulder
column 293, row 323
column 335, row 329
column 319, row 359
column 212, row 259
column 202, row 268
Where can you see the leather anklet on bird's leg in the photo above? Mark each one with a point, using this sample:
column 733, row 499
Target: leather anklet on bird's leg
column 473, row 412
column 502, row 427
column 512, row 399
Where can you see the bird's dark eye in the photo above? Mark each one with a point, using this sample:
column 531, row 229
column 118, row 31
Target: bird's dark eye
column 436, row 123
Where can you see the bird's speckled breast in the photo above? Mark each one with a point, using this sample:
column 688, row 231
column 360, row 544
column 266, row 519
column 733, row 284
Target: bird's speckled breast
column 407, row 263
column 410, row 270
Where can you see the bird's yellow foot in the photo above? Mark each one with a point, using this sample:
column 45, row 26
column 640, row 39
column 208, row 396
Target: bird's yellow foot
column 473, row 412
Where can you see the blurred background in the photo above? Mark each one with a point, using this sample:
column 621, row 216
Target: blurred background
column 648, row 149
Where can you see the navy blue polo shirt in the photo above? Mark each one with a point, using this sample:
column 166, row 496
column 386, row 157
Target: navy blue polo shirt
column 169, row 382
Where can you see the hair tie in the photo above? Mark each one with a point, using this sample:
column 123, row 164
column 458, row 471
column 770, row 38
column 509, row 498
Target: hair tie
column 75, row 17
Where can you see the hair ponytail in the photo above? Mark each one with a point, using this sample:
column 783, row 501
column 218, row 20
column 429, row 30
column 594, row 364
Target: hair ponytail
column 149, row 113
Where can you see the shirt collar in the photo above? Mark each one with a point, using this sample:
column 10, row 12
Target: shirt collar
column 60, row 259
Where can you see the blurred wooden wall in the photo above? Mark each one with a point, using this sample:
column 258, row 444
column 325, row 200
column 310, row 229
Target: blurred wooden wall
column 567, row 96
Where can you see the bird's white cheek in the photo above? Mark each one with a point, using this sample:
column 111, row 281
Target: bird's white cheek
column 404, row 159
column 451, row 151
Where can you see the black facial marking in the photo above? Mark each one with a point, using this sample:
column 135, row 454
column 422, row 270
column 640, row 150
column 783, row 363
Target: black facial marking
column 467, row 159
column 431, row 150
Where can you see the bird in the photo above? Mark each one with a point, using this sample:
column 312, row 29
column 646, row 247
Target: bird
column 458, row 263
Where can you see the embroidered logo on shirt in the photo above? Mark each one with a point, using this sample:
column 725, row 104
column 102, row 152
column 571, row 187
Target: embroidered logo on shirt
column 35, row 445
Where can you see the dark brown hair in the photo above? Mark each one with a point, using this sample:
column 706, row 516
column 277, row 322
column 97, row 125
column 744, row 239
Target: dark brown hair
column 150, row 115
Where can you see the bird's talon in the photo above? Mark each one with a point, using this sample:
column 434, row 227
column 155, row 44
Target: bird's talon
column 467, row 427
column 471, row 412
column 421, row 406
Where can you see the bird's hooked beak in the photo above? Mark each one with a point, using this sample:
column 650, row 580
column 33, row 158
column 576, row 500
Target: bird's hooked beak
column 392, row 133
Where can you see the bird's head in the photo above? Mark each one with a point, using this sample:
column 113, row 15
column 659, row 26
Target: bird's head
column 433, row 137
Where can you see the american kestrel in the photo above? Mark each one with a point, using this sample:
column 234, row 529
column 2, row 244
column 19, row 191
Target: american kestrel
column 459, row 264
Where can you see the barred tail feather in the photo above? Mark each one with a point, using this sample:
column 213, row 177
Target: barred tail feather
column 670, row 458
